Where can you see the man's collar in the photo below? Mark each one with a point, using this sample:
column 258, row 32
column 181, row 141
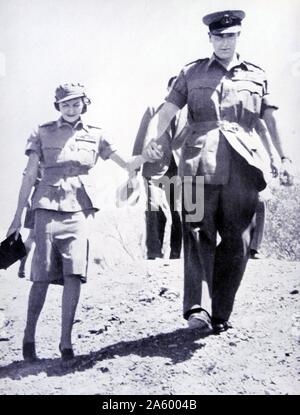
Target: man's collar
column 237, row 61
column 79, row 125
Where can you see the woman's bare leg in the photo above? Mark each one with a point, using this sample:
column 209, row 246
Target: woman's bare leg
column 70, row 300
column 36, row 302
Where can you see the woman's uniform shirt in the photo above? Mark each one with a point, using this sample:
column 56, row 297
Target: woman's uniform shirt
column 66, row 154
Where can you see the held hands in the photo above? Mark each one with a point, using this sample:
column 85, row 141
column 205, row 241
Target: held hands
column 286, row 177
column 152, row 152
column 134, row 164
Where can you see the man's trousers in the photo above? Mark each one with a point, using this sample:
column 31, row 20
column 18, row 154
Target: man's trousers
column 212, row 273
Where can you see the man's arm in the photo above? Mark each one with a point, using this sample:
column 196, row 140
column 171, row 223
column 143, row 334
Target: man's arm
column 157, row 127
column 161, row 121
column 267, row 143
column 286, row 176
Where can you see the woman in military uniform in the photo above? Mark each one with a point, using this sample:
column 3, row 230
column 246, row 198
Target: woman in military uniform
column 64, row 201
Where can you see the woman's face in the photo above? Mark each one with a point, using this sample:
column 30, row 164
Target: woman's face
column 71, row 109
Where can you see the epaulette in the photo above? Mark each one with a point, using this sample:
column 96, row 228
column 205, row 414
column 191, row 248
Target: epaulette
column 255, row 66
column 47, row 124
column 197, row 61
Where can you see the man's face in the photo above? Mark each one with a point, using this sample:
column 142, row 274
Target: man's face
column 71, row 109
column 224, row 44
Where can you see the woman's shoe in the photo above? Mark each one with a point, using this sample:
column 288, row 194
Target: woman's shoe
column 28, row 350
column 66, row 354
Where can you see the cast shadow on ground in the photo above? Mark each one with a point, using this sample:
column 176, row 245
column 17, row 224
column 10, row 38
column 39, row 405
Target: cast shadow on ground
column 178, row 346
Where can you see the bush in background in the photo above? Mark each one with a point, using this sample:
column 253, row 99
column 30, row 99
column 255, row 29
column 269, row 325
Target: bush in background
column 282, row 229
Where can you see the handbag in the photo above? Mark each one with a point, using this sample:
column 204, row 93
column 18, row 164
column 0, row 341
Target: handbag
column 11, row 250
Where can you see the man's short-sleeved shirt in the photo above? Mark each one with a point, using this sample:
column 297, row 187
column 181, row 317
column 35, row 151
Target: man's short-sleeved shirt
column 213, row 93
column 66, row 155
column 216, row 96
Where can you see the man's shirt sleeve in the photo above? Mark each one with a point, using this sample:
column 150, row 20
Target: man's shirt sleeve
column 268, row 101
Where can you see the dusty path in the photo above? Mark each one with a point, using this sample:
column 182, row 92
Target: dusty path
column 130, row 337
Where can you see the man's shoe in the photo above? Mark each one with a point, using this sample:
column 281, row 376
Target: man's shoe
column 220, row 325
column 200, row 320
column 28, row 350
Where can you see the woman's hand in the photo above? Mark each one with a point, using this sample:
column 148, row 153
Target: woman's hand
column 15, row 227
column 134, row 164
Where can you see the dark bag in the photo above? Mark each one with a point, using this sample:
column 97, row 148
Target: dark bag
column 11, row 250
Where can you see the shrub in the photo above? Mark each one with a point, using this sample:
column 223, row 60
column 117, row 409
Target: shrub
column 282, row 229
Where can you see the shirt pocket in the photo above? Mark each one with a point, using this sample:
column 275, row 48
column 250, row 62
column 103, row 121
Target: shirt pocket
column 249, row 94
column 52, row 155
column 86, row 151
column 202, row 95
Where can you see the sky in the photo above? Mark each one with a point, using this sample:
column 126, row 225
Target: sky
column 124, row 52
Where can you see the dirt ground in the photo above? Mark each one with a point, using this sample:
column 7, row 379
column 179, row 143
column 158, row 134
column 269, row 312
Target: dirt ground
column 130, row 337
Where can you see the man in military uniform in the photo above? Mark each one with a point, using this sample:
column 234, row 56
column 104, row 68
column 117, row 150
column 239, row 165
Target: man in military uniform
column 225, row 95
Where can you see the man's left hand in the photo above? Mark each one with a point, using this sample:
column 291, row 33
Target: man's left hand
column 152, row 152
column 286, row 176
column 274, row 169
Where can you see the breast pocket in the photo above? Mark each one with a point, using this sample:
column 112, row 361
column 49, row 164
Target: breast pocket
column 52, row 155
column 201, row 98
column 86, row 151
column 250, row 95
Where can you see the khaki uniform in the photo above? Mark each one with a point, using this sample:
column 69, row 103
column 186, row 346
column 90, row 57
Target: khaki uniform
column 219, row 143
column 66, row 155
column 65, row 197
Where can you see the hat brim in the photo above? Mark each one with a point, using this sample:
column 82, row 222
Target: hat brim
column 232, row 29
column 69, row 97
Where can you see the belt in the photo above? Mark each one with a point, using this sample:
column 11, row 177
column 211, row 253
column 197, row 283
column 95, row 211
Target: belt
column 221, row 124
column 52, row 175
